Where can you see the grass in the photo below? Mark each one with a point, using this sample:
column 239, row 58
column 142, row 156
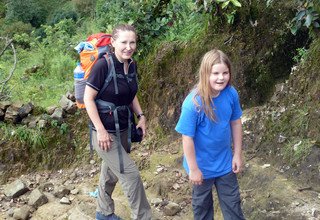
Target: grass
column 35, row 138
column 297, row 150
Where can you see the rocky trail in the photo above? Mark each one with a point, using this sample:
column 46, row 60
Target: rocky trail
column 267, row 193
column 69, row 194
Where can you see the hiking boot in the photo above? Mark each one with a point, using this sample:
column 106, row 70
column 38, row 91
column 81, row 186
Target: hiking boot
column 112, row 216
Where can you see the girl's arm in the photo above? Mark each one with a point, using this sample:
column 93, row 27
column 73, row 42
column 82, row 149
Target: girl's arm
column 236, row 127
column 195, row 174
column 138, row 111
column 104, row 139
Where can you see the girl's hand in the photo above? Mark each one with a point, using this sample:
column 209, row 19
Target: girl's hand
column 237, row 163
column 195, row 176
column 104, row 139
column 142, row 124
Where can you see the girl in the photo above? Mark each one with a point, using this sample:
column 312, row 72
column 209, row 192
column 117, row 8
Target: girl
column 209, row 121
column 111, row 127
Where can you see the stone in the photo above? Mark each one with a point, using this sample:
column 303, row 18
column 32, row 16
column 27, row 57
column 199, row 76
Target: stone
column 51, row 109
column 15, row 189
column 48, row 186
column 67, row 105
column 65, row 200
column 4, row 105
column 12, row 113
column 71, row 96
column 57, row 114
column 21, row 213
column 25, row 109
column 42, row 123
column 37, row 199
column 156, row 201
column 1, row 114
column 10, row 212
column 74, row 191
column 171, row 209
column 30, row 120
column 61, row 192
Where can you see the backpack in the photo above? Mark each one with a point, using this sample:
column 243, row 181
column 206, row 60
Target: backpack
column 95, row 46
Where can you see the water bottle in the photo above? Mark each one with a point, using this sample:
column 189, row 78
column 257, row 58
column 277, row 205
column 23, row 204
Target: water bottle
column 79, row 85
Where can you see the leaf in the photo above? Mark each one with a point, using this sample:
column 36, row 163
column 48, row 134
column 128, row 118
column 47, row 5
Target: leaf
column 269, row 2
column 220, row 1
column 300, row 15
column 225, row 4
column 294, row 29
column 230, row 18
column 236, row 3
column 308, row 20
column 316, row 24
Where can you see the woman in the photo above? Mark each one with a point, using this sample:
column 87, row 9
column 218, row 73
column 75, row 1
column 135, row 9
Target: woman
column 111, row 127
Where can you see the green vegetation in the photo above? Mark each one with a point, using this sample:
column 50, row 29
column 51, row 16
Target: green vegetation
column 306, row 16
column 32, row 137
column 173, row 35
column 220, row 8
column 301, row 55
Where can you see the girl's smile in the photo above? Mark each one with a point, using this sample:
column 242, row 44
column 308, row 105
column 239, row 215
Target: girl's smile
column 219, row 78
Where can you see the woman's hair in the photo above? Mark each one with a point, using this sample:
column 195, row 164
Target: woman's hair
column 203, row 88
column 122, row 27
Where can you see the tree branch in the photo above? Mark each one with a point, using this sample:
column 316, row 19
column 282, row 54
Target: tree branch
column 8, row 43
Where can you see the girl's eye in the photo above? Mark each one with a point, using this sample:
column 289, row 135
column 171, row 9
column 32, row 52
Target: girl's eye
column 225, row 73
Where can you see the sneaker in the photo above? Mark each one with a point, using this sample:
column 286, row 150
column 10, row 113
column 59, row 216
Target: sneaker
column 100, row 216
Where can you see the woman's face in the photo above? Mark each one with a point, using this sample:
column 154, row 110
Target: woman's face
column 219, row 77
column 124, row 45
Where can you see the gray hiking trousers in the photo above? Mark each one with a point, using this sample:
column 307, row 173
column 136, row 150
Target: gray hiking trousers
column 130, row 180
column 228, row 194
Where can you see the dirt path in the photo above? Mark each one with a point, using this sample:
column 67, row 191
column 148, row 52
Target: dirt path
column 266, row 194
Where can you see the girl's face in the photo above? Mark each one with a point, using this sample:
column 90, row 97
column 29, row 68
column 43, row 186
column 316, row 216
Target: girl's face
column 124, row 45
column 219, row 78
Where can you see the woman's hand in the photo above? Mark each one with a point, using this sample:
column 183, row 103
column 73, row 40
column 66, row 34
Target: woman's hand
column 195, row 176
column 142, row 124
column 104, row 139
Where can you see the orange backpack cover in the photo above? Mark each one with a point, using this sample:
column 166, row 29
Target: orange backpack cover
column 101, row 45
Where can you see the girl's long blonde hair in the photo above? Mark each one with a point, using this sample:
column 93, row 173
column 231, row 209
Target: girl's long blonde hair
column 203, row 88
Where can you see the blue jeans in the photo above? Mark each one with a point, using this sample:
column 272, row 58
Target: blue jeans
column 229, row 198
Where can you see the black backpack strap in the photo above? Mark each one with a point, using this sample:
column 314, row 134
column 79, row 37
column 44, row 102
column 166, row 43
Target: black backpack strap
column 111, row 74
column 116, row 120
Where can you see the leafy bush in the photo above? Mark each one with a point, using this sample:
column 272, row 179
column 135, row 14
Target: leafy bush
column 63, row 15
column 10, row 28
column 52, row 55
column 85, row 8
column 27, row 11
column 220, row 8
column 306, row 16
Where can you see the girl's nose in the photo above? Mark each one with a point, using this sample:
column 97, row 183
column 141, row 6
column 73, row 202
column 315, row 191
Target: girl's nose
column 128, row 47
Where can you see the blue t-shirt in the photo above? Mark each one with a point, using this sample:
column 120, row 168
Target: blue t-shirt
column 212, row 140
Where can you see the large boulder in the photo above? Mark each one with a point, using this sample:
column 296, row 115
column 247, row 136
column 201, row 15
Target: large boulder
column 15, row 189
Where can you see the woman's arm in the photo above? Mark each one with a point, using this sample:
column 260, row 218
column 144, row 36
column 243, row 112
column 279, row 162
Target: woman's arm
column 195, row 174
column 102, row 134
column 138, row 111
column 236, row 127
